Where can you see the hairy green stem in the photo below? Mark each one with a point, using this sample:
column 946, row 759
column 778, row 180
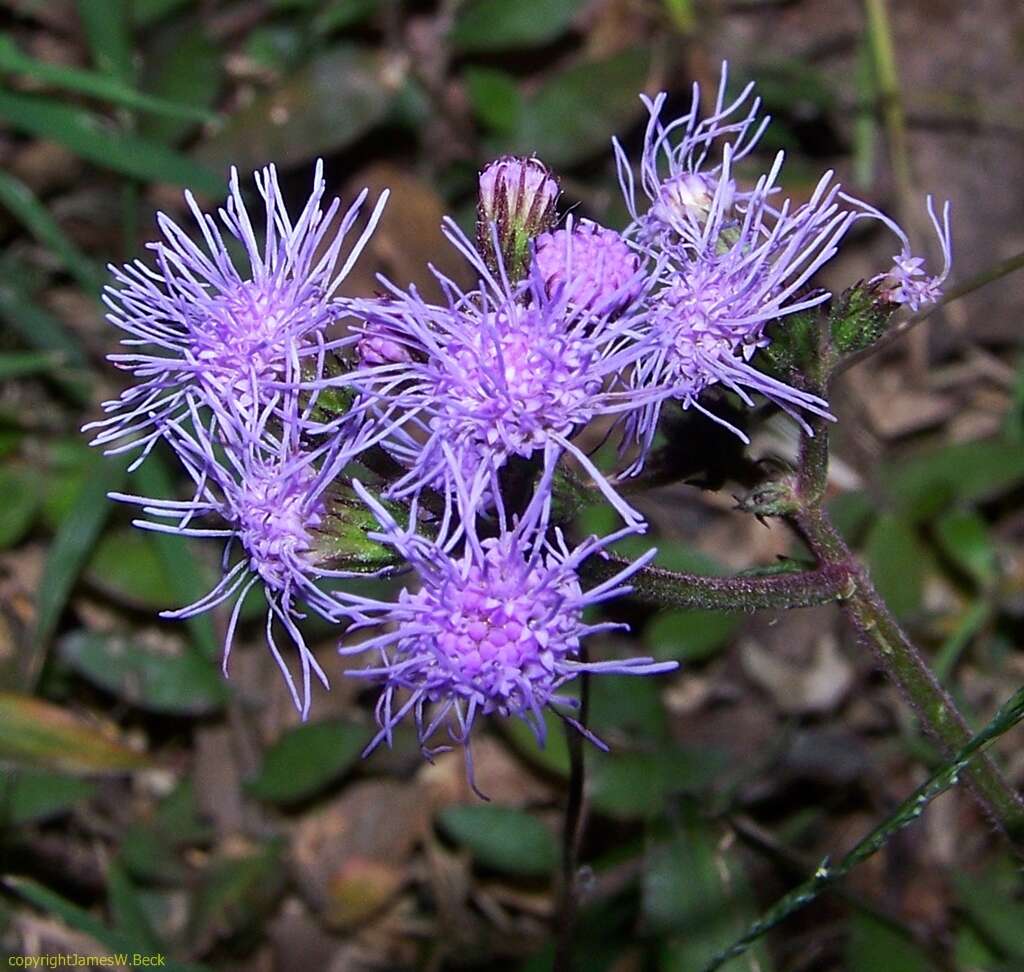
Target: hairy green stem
column 789, row 589
column 894, row 651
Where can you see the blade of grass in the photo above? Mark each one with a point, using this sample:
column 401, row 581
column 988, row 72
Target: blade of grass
column 103, row 86
column 20, row 364
column 78, row 918
column 107, row 28
column 21, row 202
column 91, row 137
column 906, row 813
column 44, row 332
column 67, row 555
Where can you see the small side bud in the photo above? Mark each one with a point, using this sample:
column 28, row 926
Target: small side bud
column 860, row 316
column 769, row 499
column 518, row 199
column 378, row 349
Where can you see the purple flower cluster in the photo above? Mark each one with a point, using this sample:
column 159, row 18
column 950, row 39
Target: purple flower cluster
column 467, row 408
column 495, row 628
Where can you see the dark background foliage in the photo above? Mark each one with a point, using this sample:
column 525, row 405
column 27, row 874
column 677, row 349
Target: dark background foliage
column 148, row 806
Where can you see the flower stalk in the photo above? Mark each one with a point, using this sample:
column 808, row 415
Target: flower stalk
column 787, row 589
column 895, row 653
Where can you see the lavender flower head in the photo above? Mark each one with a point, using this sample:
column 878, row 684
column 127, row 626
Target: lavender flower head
column 709, row 317
column 681, row 191
column 267, row 502
column 595, row 264
column 496, row 629
column 203, row 331
column 908, row 283
column 504, row 370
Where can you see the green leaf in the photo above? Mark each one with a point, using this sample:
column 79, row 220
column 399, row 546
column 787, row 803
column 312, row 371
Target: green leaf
column 335, row 98
column 22, row 364
column 858, row 318
column 630, row 706
column 636, row 785
column 672, row 555
column 124, row 565
column 574, row 113
column 925, row 483
column 972, row 952
column 946, row 776
column 157, row 679
column 28, row 796
column 148, row 12
column 126, row 911
column 182, row 66
column 337, row 14
column 306, row 759
column 495, row 97
column 897, row 560
column 342, row 540
column 695, row 892
column 77, row 918
column 965, row 538
column 279, row 48
column 84, row 921
column 41, row 330
column 34, row 733
column 16, row 197
column 237, row 894
column 68, row 463
column 503, row 839
column 151, row 848
column 875, row 945
column 74, row 541
column 187, row 577
column 94, row 85
column 851, row 513
column 494, row 25
column 690, row 635
column 103, row 144
column 682, row 14
column 21, row 488
column 992, row 909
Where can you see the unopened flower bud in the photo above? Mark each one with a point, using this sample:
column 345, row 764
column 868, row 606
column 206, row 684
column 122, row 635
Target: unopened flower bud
column 380, row 350
column 593, row 267
column 518, row 197
column 689, row 197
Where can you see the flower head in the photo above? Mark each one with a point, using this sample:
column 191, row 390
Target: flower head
column 683, row 192
column 594, row 266
column 517, row 202
column 268, row 502
column 503, row 370
column 908, row 282
column 708, row 317
column 494, row 628
column 204, row 331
